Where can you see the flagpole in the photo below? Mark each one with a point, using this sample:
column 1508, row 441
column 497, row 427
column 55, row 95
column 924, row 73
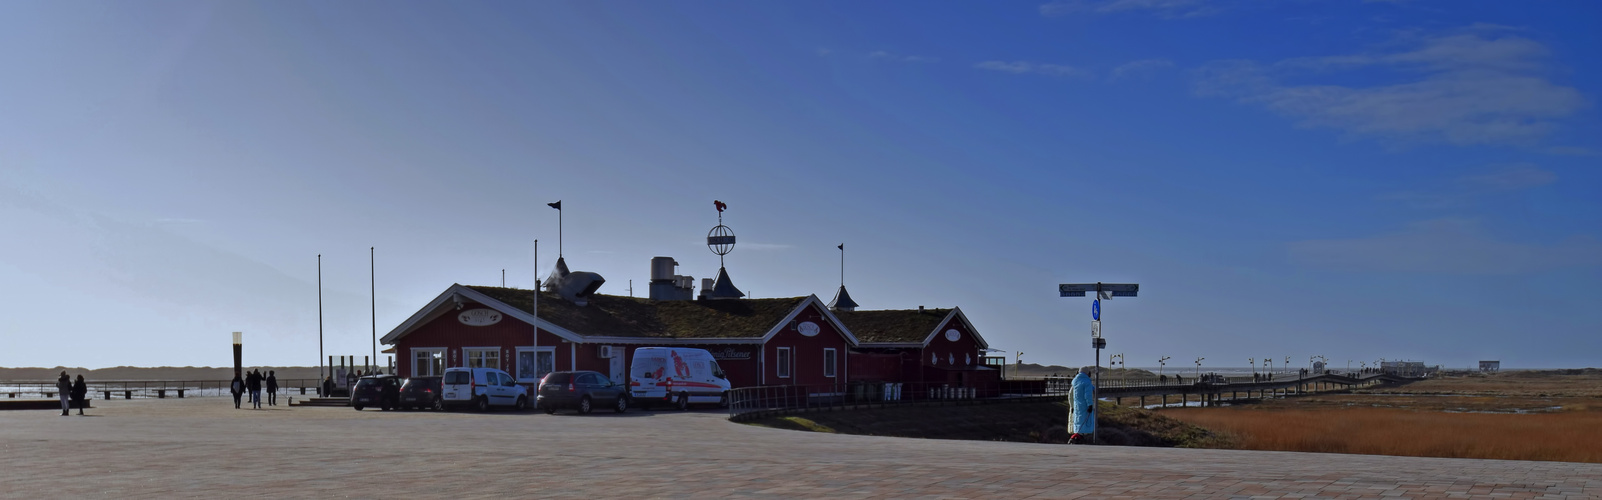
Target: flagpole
column 372, row 272
column 536, row 344
column 320, row 319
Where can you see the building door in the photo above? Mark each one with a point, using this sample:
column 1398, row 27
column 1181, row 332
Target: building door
column 619, row 373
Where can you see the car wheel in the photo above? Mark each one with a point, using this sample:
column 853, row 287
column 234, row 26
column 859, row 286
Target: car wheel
column 684, row 401
column 584, row 405
column 439, row 404
column 622, row 404
column 724, row 401
column 550, row 409
column 358, row 408
column 483, row 403
column 522, row 403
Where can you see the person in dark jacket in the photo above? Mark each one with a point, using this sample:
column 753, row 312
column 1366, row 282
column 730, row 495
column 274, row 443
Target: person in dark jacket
column 79, row 390
column 253, row 384
column 328, row 387
column 64, row 389
column 272, row 388
column 237, row 387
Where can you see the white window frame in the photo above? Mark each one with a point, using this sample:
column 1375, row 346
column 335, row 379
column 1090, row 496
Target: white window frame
column 537, row 351
column 786, row 358
column 831, row 362
column 443, row 362
column 468, row 352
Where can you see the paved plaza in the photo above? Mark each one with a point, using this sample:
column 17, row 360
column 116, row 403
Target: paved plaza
column 203, row 447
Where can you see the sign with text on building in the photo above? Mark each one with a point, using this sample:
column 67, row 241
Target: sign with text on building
column 730, row 353
column 479, row 317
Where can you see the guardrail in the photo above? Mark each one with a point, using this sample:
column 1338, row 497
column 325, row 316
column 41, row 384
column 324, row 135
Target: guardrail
column 786, row 398
column 131, row 389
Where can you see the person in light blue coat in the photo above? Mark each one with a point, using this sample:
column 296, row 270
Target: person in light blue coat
column 1084, row 405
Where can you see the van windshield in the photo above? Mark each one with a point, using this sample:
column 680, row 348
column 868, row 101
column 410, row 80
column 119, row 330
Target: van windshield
column 717, row 371
column 456, row 377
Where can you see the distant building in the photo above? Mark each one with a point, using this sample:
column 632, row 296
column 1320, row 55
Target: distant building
column 1490, row 366
column 1405, row 368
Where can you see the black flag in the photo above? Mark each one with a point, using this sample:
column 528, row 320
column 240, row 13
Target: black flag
column 557, row 205
column 842, row 246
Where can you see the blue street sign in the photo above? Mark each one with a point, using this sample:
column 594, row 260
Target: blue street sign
column 1095, row 309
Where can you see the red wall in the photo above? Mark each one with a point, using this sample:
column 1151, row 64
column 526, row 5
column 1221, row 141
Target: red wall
column 965, row 344
column 445, row 331
column 807, row 353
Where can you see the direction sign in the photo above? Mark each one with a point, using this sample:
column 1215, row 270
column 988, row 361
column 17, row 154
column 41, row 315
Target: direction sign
column 1112, row 289
column 1074, row 290
column 1095, row 309
column 1095, row 329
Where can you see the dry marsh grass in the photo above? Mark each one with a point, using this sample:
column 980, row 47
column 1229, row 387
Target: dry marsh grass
column 1569, row 436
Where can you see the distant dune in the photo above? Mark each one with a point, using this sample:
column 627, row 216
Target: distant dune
column 154, row 373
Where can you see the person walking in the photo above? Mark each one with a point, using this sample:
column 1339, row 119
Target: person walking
column 1083, row 419
column 253, row 384
column 64, row 388
column 79, row 390
column 328, row 387
column 237, row 388
column 272, row 388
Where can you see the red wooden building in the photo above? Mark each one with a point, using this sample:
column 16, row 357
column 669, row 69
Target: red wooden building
column 782, row 341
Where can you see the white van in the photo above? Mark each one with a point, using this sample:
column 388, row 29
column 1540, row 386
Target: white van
column 481, row 388
column 676, row 376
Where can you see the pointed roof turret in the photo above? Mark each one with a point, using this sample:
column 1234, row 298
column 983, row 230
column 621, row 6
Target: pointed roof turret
column 842, row 301
column 724, row 288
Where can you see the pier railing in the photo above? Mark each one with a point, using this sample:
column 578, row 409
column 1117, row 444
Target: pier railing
column 131, row 389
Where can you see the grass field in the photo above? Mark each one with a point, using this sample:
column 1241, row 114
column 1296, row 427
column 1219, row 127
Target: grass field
column 1571, row 436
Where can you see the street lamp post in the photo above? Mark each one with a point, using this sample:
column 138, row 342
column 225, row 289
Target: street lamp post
column 1253, row 363
column 1198, row 368
column 1119, row 359
column 1017, row 364
column 1160, row 364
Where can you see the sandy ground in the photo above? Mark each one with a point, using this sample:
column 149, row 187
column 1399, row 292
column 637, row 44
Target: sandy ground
column 203, row 447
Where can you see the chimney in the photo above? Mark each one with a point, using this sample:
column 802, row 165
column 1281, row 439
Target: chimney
column 920, row 309
column 665, row 284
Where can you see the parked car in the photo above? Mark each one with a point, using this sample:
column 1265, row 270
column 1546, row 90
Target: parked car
column 677, row 376
column 481, row 388
column 581, row 390
column 382, row 391
column 422, row 392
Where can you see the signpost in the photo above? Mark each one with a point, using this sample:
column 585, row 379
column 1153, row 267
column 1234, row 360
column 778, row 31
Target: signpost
column 1104, row 291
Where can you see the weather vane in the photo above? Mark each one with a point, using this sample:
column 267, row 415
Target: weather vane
column 721, row 239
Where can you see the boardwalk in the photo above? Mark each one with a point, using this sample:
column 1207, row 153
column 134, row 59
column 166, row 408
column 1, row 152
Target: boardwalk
column 202, row 447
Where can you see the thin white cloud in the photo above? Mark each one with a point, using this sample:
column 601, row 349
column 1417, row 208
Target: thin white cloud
column 1026, row 67
column 1477, row 86
column 1446, row 246
column 1167, row 9
column 1142, row 67
column 1468, row 189
column 888, row 56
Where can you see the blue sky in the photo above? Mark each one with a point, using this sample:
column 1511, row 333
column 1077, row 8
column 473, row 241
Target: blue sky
column 1360, row 180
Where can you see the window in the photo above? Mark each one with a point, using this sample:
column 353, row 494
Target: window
column 828, row 362
column 587, row 379
column 784, row 362
column 428, row 362
column 484, row 358
column 534, row 363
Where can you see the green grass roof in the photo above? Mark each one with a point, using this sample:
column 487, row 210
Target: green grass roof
column 904, row 325
column 615, row 316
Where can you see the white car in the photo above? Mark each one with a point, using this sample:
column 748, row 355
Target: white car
column 676, row 376
column 482, row 388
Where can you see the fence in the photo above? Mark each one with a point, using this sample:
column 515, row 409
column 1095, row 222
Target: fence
column 784, row 398
column 130, row 389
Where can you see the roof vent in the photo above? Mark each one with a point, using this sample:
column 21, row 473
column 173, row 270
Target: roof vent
column 665, row 285
column 920, row 309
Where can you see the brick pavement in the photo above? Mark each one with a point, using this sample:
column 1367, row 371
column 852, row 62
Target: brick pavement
column 203, row 447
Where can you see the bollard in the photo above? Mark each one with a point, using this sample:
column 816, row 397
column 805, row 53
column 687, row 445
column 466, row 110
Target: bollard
column 127, row 394
column 180, row 393
column 108, row 395
column 161, row 393
column 303, row 390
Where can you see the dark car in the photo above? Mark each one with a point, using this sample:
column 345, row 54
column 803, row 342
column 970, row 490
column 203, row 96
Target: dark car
column 382, row 391
column 421, row 392
column 580, row 390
